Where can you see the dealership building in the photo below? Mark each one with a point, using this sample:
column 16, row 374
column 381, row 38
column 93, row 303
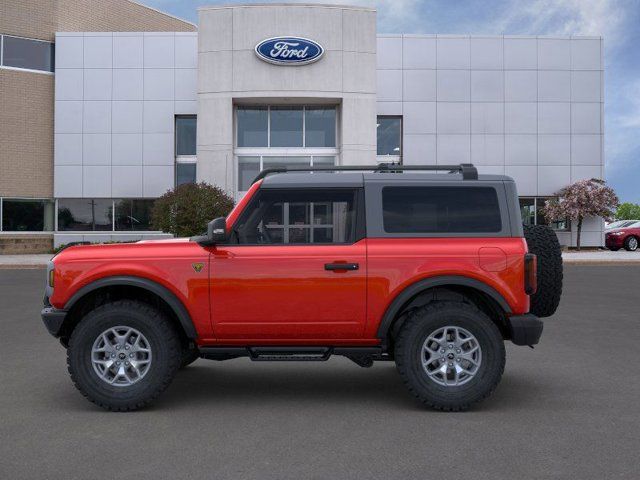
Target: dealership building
column 104, row 112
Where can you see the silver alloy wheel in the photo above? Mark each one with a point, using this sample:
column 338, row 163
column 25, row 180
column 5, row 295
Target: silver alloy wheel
column 632, row 243
column 121, row 356
column 451, row 356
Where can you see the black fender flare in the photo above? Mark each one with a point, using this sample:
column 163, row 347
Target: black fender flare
column 125, row 280
column 415, row 288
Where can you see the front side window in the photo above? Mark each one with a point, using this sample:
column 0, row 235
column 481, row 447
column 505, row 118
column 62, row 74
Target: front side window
column 277, row 217
column 28, row 54
column 85, row 214
column 389, row 136
column 441, row 210
column 22, row 215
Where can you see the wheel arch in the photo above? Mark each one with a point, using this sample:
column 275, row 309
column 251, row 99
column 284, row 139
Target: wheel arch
column 426, row 290
column 136, row 288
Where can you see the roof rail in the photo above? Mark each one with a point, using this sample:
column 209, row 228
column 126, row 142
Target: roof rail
column 468, row 171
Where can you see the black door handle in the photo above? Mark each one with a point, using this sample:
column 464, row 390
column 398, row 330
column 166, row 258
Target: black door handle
column 341, row 266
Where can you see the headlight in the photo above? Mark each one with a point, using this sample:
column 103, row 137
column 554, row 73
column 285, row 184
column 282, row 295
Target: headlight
column 51, row 277
column 616, row 233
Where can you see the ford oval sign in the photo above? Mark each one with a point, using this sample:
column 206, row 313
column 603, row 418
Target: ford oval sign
column 289, row 51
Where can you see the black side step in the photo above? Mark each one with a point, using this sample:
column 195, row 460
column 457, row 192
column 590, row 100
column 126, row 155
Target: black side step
column 363, row 356
column 289, row 354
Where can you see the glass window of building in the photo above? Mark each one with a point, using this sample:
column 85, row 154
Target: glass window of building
column 286, row 127
column 133, row 214
column 186, row 127
column 299, row 217
column 28, row 54
column 185, row 172
column 279, row 136
column 250, row 166
column 186, row 139
column 389, row 136
column 542, row 220
column 253, row 126
column 85, row 214
column 528, row 210
column 26, row 215
column 319, row 127
column 531, row 210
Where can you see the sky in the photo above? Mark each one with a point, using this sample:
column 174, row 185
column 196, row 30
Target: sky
column 617, row 21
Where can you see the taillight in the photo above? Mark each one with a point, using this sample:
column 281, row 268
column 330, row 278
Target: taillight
column 530, row 273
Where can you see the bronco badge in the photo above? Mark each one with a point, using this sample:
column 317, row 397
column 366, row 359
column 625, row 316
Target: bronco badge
column 197, row 267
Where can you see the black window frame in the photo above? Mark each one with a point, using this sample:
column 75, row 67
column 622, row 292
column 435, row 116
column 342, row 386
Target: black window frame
column 358, row 228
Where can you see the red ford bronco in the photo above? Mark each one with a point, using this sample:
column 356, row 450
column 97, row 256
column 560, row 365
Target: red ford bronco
column 433, row 271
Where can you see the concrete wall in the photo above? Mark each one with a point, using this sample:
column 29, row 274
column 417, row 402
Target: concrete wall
column 528, row 107
column 117, row 95
column 229, row 72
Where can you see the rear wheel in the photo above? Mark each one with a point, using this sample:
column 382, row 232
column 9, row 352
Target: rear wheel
column 123, row 354
column 450, row 355
column 543, row 242
column 631, row 244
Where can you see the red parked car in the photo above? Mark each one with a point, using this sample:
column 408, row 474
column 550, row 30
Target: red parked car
column 433, row 272
column 627, row 237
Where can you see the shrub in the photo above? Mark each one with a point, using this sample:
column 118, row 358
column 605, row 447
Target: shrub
column 186, row 210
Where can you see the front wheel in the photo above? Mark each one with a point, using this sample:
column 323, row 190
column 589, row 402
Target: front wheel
column 450, row 355
column 123, row 354
column 631, row 244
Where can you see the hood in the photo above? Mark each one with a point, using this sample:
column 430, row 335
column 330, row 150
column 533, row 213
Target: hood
column 134, row 250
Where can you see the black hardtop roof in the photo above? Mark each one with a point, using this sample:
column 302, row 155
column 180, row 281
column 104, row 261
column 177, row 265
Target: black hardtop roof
column 358, row 179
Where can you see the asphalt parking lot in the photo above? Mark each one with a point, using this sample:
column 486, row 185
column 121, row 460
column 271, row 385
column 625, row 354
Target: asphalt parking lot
column 568, row 409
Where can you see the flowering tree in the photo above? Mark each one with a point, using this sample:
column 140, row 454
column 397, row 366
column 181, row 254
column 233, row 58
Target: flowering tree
column 584, row 198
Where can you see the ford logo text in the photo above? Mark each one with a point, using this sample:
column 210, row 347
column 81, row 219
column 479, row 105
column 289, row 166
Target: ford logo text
column 289, row 51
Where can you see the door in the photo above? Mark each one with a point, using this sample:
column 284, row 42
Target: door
column 295, row 269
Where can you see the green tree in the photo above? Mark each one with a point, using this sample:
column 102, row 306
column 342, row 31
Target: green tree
column 628, row 211
column 186, row 210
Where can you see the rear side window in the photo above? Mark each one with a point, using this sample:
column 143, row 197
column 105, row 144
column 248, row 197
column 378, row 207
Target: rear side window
column 440, row 210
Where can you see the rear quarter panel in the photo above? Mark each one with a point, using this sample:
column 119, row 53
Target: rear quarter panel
column 396, row 263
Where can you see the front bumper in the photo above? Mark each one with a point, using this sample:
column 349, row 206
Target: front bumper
column 614, row 241
column 53, row 320
column 525, row 329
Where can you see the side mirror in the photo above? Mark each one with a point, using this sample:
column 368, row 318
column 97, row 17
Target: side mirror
column 216, row 233
column 217, row 230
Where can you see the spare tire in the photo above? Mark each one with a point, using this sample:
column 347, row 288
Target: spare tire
column 543, row 242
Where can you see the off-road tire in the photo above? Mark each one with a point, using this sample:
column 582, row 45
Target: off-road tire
column 189, row 355
column 163, row 340
column 543, row 242
column 627, row 244
column 424, row 321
